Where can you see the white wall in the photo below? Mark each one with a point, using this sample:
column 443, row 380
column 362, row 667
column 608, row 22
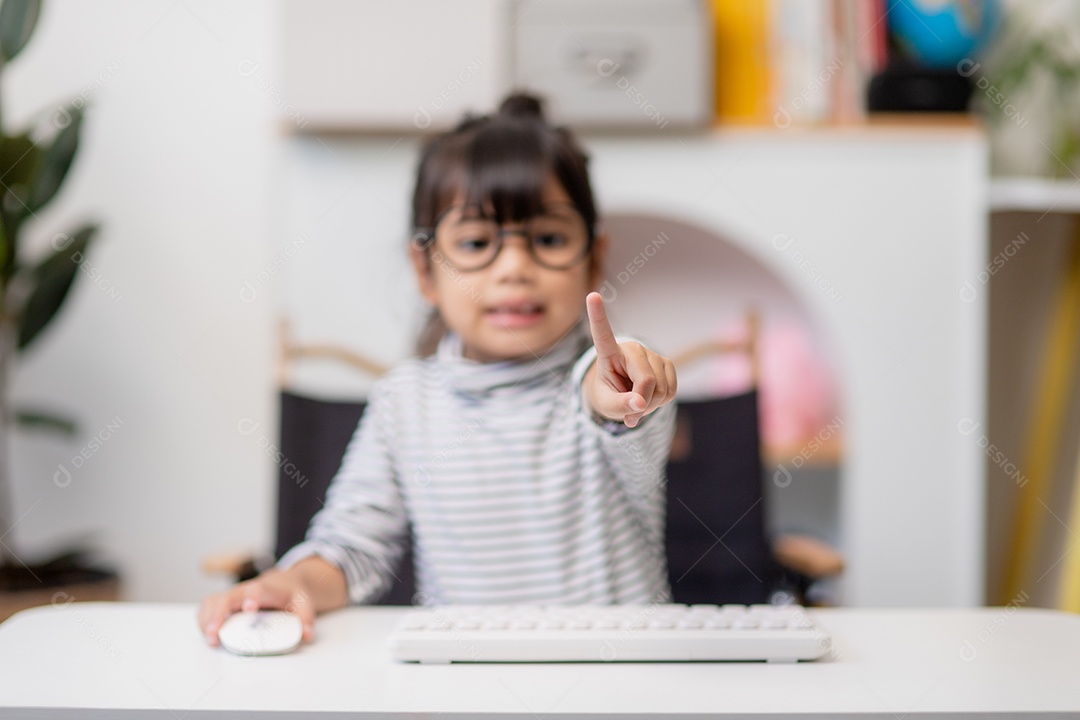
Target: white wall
column 179, row 163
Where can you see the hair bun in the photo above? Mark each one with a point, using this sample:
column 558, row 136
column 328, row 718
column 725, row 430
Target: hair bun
column 522, row 105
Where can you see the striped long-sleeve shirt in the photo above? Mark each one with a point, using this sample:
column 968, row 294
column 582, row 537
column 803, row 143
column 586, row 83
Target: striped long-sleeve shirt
column 513, row 492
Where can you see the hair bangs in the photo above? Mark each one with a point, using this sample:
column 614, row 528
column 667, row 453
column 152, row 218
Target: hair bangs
column 507, row 171
column 442, row 177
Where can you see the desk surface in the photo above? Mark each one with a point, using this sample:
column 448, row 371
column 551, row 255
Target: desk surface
column 98, row 660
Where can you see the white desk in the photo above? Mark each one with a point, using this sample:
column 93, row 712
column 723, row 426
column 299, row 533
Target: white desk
column 101, row 660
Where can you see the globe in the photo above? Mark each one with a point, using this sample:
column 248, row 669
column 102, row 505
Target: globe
column 941, row 33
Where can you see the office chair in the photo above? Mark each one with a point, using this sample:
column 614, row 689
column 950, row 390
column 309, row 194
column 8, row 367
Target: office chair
column 715, row 531
column 716, row 542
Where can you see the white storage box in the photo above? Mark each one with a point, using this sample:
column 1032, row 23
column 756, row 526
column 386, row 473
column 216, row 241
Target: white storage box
column 415, row 65
column 641, row 63
column 406, row 65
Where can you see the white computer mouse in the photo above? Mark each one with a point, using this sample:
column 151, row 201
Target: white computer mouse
column 263, row 632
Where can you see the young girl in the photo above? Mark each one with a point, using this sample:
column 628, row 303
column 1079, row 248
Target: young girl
column 527, row 454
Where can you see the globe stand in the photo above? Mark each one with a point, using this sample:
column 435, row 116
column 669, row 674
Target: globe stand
column 906, row 87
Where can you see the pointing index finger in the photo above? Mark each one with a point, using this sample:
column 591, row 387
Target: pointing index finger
column 603, row 337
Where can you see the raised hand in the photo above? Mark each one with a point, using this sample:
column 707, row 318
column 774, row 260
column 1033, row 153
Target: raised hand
column 628, row 380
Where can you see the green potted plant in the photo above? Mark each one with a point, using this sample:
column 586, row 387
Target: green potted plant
column 1034, row 73
column 33, row 286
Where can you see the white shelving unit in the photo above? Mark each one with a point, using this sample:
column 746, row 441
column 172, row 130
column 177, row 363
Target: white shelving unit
column 1034, row 194
column 875, row 231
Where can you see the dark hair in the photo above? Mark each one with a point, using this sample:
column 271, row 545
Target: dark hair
column 503, row 160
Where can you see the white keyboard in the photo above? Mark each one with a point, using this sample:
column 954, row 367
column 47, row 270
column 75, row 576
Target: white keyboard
column 607, row 633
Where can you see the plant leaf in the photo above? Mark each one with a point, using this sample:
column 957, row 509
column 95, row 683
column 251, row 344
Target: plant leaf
column 52, row 280
column 6, row 261
column 10, row 225
column 17, row 21
column 56, row 160
column 46, row 421
column 19, row 159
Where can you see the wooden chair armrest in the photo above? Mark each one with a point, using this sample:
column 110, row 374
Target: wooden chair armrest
column 808, row 556
column 233, row 565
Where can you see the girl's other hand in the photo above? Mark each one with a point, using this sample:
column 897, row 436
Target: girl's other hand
column 273, row 589
column 628, row 380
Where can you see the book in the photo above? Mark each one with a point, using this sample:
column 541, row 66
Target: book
column 784, row 62
column 742, row 60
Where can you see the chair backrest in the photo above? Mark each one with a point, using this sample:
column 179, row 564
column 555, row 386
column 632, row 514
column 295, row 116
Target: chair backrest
column 716, row 543
column 314, row 435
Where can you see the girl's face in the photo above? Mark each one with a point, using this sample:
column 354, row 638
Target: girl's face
column 514, row 307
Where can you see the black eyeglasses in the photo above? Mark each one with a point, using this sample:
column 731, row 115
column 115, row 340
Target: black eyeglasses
column 557, row 239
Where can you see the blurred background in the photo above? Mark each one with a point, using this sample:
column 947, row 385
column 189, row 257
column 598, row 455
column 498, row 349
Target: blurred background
column 889, row 186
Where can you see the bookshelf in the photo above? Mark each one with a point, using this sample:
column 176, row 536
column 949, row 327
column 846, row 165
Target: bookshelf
column 890, row 209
